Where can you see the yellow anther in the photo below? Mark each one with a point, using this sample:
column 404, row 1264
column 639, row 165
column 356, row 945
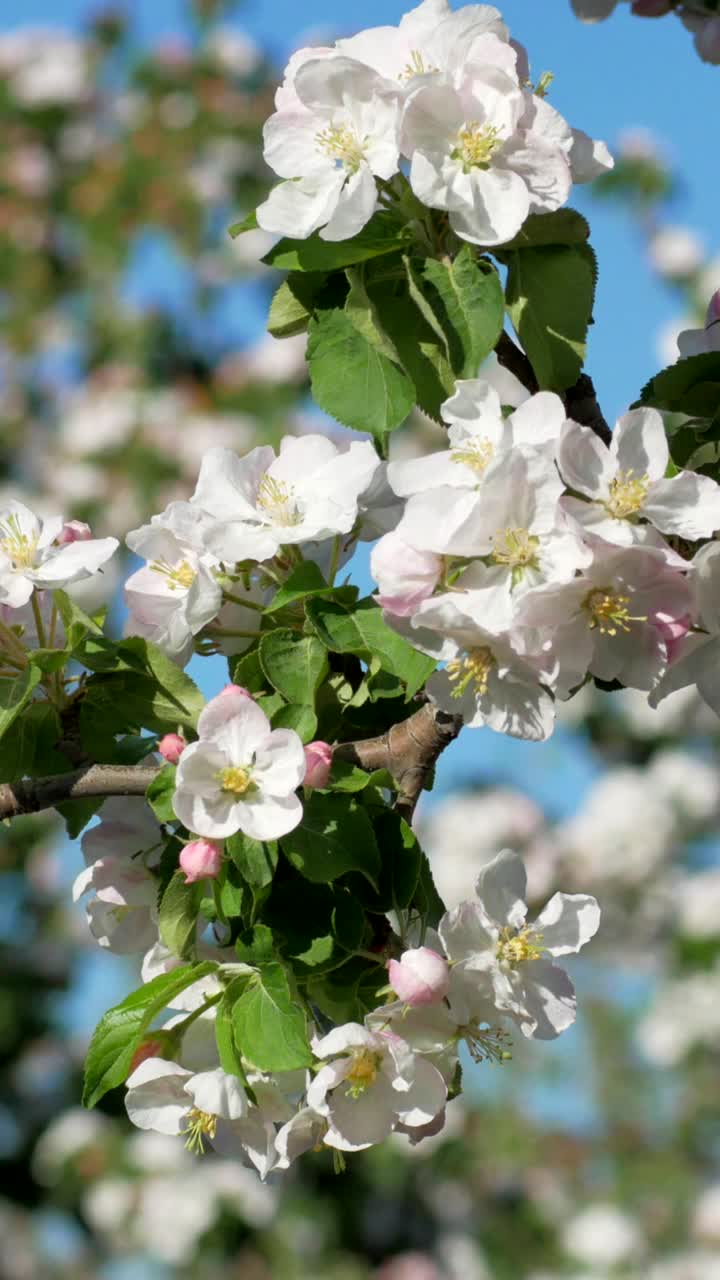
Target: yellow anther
column 416, row 67
column 476, row 144
column 343, row 146
column 236, row 779
column 516, row 548
column 476, row 453
column 180, row 575
column 473, row 669
column 17, row 546
column 200, row 1125
column 277, row 499
column 608, row 611
column 364, row 1071
column 627, row 494
column 515, row 948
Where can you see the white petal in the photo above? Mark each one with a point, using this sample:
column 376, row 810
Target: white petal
column 280, row 763
column 538, row 420
column 687, row 505
column 549, row 998
column 425, row 1098
column 219, row 1094
column 355, row 206
column 568, row 921
column 156, row 1097
column 266, row 817
column 499, row 204
column 584, row 461
column 502, row 889
column 237, row 720
column 640, row 445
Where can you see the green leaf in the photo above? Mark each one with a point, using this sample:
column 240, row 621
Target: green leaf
column 77, row 814
column 467, row 297
column 348, row 993
column 381, row 235
column 301, row 719
column 550, row 294
column 255, row 861
column 179, row 910
column 270, row 1025
column 409, row 322
column 426, row 898
column 31, row 747
column 334, row 837
column 230, row 1059
column 248, row 223
column 295, row 665
column 121, row 1029
column 15, row 694
column 691, row 386
column 364, row 632
column 176, row 692
column 148, row 692
column 564, row 226
column 402, row 858
column 293, row 303
column 305, row 580
column 76, row 622
column 360, row 309
column 348, row 777
column 160, row 794
column 236, row 897
column 353, row 381
column 248, row 673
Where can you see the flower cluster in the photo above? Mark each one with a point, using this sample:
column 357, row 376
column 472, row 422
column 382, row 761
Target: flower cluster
column 530, row 555
column 391, row 1073
column 444, row 94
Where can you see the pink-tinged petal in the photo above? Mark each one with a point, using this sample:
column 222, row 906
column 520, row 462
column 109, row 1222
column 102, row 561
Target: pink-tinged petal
column 640, row 445
column 280, row 763
column 567, row 922
column 502, row 889
column 234, row 720
column 699, row 664
column 687, row 505
column 585, row 463
column 549, row 1000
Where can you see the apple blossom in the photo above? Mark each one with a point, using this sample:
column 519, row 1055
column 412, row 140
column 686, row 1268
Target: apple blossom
column 240, row 775
column 404, row 575
column 200, row 860
column 318, row 762
column 419, row 977
column 175, row 595
column 696, row 661
column 490, row 944
column 373, row 1083
column 163, row 1096
column 626, row 485
column 171, row 747
column 32, row 556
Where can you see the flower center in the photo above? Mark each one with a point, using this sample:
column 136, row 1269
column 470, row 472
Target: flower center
column 19, row 547
column 475, row 145
column 343, row 146
column 363, row 1072
column 416, row 67
column 476, row 453
column 236, row 780
column 516, row 548
column 199, row 1126
column 515, row 948
column 474, row 668
column 627, row 494
column 277, row 500
column 608, row 611
column 181, row 576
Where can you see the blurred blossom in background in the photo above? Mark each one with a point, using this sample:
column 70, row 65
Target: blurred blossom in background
column 133, row 340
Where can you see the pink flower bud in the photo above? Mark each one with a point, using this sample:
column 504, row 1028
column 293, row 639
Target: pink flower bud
column 420, row 976
column 234, row 691
column 651, row 8
column 156, row 1045
column 74, row 531
column 318, row 759
column 171, row 747
column 201, row 860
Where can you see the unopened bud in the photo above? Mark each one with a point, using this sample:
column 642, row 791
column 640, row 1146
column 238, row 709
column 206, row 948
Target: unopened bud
column 318, row 761
column 157, row 1045
column 234, row 691
column 171, row 747
column 420, row 976
column 201, row 860
column 74, row 531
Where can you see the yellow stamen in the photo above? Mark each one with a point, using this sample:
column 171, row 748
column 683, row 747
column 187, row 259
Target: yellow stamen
column 343, row 146
column 516, row 548
column 236, row 779
column 200, row 1125
column 608, row 611
column 627, row 494
column 181, row 575
column 277, row 499
column 476, row 144
column 515, row 948
column 416, row 67
column 473, row 669
column 476, row 453
column 363, row 1072
column 19, row 547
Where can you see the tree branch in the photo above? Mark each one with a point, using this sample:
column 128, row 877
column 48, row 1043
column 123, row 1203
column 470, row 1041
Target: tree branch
column 408, row 751
column 581, row 403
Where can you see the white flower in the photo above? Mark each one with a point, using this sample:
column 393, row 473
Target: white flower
column 626, row 484
column 676, row 252
column 491, row 938
column 485, row 681
column 601, row 1235
column 174, row 596
column 30, row 556
column 122, row 915
column 308, row 492
column 698, row 662
column 405, row 576
column 374, row 1083
column 611, row 619
column 163, row 1096
column 331, row 144
column 240, row 775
